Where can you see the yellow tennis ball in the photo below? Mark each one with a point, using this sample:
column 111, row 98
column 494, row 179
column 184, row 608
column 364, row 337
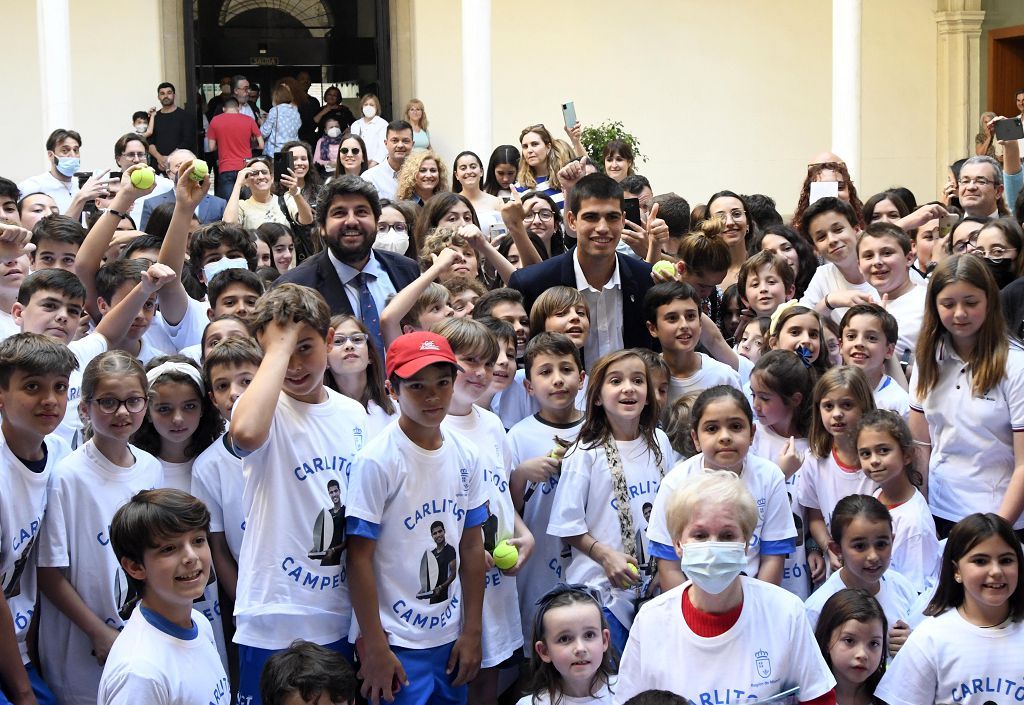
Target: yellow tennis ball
column 505, row 555
column 199, row 170
column 665, row 268
column 636, row 571
column 143, row 178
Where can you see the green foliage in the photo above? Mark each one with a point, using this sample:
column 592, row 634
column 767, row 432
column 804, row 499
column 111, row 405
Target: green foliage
column 595, row 138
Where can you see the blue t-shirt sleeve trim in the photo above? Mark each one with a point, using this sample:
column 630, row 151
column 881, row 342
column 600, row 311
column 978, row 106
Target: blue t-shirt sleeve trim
column 660, row 550
column 360, row 527
column 781, row 547
column 476, row 516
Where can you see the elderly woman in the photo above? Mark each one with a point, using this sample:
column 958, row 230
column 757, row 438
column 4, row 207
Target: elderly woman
column 720, row 634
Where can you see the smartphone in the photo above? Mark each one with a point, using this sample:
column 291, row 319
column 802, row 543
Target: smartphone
column 569, row 113
column 946, row 225
column 116, row 175
column 82, row 177
column 632, row 209
column 282, row 163
column 824, row 189
column 1009, row 129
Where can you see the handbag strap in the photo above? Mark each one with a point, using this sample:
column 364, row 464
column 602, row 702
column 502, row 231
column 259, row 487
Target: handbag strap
column 620, row 489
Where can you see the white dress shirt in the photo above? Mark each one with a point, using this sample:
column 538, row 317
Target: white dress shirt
column 384, row 179
column 379, row 283
column 605, row 307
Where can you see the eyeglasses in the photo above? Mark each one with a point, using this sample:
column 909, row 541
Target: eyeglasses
column 961, row 247
column 980, row 181
column 397, row 227
column 544, row 215
column 134, row 155
column 358, row 339
column 997, row 252
column 354, row 150
column 110, row 405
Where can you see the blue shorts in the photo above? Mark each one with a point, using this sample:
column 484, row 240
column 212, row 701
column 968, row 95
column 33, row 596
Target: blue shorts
column 44, row 696
column 428, row 682
column 251, row 660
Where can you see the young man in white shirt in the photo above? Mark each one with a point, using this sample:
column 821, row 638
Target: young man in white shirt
column 295, row 437
column 384, row 176
column 414, row 647
column 166, row 653
column 34, row 371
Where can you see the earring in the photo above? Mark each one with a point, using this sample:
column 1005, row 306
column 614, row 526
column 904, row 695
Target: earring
column 957, row 578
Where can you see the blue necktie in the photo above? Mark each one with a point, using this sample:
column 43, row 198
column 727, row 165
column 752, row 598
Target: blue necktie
column 368, row 311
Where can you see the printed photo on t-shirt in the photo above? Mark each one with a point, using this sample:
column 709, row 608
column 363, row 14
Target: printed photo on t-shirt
column 490, row 529
column 437, row 567
column 329, row 529
column 10, row 582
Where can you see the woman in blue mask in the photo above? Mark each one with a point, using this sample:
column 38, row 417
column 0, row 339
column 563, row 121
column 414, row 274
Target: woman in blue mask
column 721, row 636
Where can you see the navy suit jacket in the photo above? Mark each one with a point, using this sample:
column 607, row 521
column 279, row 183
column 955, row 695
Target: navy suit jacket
column 210, row 209
column 318, row 272
column 634, row 274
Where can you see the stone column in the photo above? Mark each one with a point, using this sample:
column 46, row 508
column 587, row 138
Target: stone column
column 476, row 76
column 846, row 71
column 53, row 29
column 958, row 81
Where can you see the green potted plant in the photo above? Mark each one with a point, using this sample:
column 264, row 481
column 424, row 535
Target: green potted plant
column 595, row 138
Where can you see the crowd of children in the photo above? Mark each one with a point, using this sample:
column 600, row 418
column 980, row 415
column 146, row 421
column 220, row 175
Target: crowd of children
column 805, row 485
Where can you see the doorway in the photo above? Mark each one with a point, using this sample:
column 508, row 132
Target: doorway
column 1005, row 69
column 343, row 43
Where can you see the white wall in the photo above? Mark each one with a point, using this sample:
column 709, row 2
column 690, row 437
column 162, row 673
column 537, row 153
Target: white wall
column 731, row 94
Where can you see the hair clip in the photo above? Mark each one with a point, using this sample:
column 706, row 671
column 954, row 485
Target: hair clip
column 804, row 353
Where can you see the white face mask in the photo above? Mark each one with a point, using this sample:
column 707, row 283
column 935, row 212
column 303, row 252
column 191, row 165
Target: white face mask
column 334, row 132
column 713, row 565
column 392, row 240
column 141, row 128
column 369, row 111
column 214, row 268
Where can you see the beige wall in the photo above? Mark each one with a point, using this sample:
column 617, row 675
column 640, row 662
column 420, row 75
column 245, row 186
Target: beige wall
column 105, row 88
column 732, row 94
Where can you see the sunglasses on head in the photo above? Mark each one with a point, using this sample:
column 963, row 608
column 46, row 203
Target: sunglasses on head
column 354, row 150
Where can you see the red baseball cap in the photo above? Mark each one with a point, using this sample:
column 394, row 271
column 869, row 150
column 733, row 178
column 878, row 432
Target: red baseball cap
column 411, row 352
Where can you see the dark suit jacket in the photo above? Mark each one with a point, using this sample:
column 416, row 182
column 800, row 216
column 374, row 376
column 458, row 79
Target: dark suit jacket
column 318, row 272
column 210, row 208
column 635, row 275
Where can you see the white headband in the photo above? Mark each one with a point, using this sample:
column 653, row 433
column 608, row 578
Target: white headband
column 179, row 367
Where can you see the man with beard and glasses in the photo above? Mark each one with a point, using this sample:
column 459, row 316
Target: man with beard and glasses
column 353, row 277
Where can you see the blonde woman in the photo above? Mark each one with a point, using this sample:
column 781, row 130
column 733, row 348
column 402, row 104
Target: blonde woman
column 416, row 115
column 283, row 121
column 422, row 175
column 539, row 165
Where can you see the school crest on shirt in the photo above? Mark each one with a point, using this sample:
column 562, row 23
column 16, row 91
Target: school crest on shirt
column 762, row 663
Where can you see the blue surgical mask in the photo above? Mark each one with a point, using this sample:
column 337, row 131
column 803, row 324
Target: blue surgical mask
column 214, row 268
column 713, row 565
column 68, row 165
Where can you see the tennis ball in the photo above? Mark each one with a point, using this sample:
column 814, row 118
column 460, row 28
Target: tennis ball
column 664, row 268
column 143, row 178
column 505, row 555
column 636, row 572
column 199, row 170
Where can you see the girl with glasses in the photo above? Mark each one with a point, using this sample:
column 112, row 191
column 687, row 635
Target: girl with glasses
column 354, row 369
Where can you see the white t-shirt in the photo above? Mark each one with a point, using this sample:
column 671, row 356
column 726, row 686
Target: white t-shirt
column 895, row 595
column 796, row 574
column 7, row 325
column 22, row 504
column 159, row 663
column 585, row 503
column 377, row 419
column 775, row 533
column 177, row 476
column 189, row 330
column 399, row 491
column 915, row 546
column 908, row 310
column 218, row 481
column 770, row 649
column 84, row 349
column 603, row 696
column 890, row 395
column 290, row 580
column 827, row 279
column 710, row 373
column 823, row 482
column 85, row 491
column 502, row 626
column 534, row 438
column 972, row 436
column 373, row 134
column 949, row 660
